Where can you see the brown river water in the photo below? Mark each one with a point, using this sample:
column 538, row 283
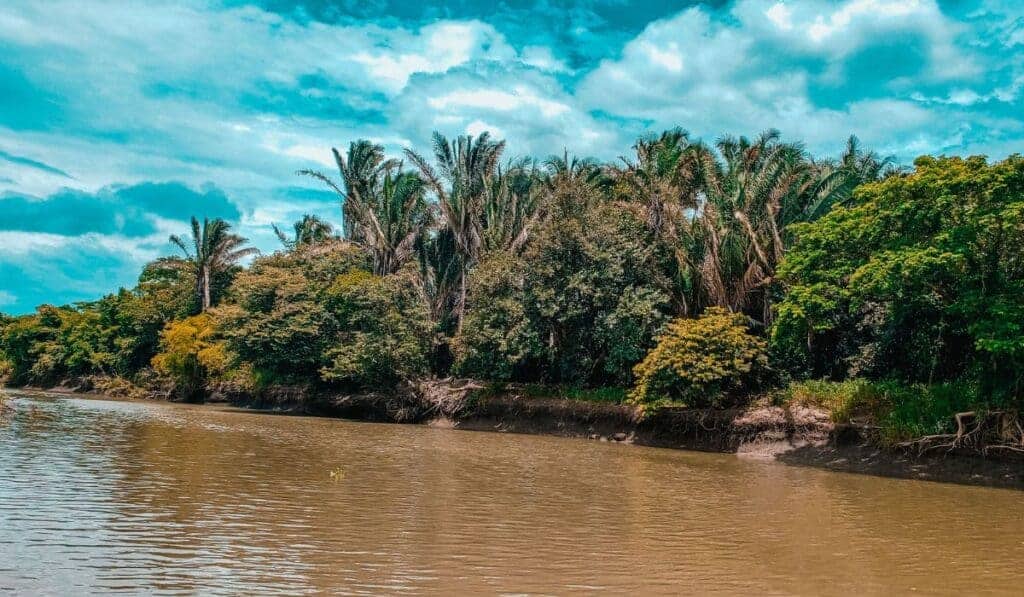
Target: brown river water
column 148, row 497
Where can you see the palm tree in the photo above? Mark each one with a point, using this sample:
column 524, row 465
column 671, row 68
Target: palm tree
column 757, row 189
column 310, row 230
column 662, row 178
column 664, row 182
column 398, row 216
column 459, row 180
column 836, row 180
column 511, row 207
column 384, row 208
column 212, row 250
column 361, row 170
column 572, row 184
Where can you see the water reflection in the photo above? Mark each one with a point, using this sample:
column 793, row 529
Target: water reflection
column 103, row 496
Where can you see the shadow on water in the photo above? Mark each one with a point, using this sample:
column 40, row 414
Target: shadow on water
column 942, row 468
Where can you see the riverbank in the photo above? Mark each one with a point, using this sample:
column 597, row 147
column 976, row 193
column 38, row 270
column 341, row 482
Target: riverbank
column 796, row 435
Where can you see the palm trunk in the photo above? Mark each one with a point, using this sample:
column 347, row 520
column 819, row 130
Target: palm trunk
column 206, row 288
column 462, row 300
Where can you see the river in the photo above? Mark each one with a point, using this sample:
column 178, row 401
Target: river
column 103, row 496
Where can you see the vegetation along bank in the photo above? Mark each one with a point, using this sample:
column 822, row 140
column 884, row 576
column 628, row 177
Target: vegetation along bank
column 686, row 282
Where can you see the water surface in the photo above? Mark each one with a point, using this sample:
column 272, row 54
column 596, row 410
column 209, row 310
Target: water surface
column 153, row 497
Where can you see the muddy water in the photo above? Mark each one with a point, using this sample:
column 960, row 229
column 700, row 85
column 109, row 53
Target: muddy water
column 161, row 498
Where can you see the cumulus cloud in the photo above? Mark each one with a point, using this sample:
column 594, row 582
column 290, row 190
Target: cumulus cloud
column 99, row 99
column 817, row 70
column 130, row 210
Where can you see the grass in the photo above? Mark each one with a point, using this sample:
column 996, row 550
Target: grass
column 901, row 411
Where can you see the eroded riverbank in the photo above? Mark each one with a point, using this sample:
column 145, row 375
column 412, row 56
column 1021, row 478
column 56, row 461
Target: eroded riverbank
column 794, row 435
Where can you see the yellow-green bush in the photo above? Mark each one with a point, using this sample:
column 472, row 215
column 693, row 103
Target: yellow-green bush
column 190, row 354
column 700, row 361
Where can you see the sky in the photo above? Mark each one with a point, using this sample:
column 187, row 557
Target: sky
column 120, row 120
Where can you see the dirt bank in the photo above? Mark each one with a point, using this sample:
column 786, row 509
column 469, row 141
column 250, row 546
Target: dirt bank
column 796, row 435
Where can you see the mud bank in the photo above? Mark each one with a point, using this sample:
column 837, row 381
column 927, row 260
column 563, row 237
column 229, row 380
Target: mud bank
column 796, row 435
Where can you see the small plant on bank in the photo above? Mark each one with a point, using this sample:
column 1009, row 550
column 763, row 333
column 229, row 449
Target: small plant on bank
column 899, row 411
column 698, row 362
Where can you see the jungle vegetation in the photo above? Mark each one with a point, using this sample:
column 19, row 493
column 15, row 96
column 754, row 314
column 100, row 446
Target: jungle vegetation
column 684, row 273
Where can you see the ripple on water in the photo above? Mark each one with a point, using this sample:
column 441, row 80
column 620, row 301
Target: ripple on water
column 105, row 496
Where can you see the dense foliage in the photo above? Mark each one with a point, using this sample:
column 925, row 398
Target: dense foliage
column 191, row 355
column 922, row 280
column 701, row 361
column 669, row 271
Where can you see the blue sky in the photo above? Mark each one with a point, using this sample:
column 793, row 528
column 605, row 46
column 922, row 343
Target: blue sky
column 119, row 120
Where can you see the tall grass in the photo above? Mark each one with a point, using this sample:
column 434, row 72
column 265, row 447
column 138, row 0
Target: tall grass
column 900, row 411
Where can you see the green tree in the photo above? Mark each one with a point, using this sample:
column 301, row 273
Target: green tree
column 920, row 279
column 310, row 230
column 580, row 306
column 460, row 181
column 211, row 250
column 384, row 331
column 277, row 316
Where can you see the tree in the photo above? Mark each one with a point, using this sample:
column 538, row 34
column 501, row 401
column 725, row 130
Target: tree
column 212, row 250
column 384, row 208
column 579, row 306
column 383, row 331
column 278, row 319
column 511, row 207
column 459, row 180
column 920, row 280
column 310, row 230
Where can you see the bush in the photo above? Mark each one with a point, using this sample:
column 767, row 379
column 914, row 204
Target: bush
column 698, row 362
column 384, row 331
column 190, row 355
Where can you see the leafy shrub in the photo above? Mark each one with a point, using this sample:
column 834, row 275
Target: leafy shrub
column 190, row 355
column 699, row 361
column 384, row 331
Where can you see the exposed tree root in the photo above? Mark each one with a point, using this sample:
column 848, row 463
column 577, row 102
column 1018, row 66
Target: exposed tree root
column 995, row 431
column 446, row 397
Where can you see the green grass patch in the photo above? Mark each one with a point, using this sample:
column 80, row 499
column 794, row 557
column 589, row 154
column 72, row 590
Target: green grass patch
column 902, row 412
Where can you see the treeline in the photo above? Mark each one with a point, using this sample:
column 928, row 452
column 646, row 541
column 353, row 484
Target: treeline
column 685, row 272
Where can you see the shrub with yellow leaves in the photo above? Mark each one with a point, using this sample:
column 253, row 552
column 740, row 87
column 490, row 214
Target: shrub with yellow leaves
column 700, row 362
column 190, row 354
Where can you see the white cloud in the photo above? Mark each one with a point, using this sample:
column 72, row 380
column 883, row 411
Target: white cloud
column 762, row 66
column 781, row 15
column 543, row 58
column 477, row 127
column 502, row 101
